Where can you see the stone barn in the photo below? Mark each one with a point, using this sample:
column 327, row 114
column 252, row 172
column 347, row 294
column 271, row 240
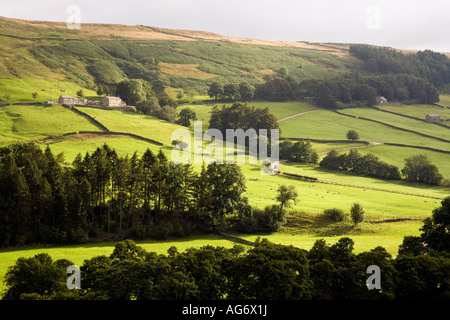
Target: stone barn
column 109, row 101
column 433, row 118
column 68, row 100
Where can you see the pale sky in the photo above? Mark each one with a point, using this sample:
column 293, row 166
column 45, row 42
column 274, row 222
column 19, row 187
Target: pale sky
column 408, row 24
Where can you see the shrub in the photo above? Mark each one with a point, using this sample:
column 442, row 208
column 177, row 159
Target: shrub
column 162, row 231
column 248, row 224
column 352, row 135
column 269, row 219
column 335, row 214
column 446, row 183
column 357, row 213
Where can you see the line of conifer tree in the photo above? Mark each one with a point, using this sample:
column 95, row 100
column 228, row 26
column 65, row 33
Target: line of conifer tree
column 102, row 195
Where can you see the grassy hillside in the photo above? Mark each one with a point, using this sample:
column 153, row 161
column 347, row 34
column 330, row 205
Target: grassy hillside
column 22, row 123
column 36, row 54
column 383, row 200
column 429, row 129
column 326, row 124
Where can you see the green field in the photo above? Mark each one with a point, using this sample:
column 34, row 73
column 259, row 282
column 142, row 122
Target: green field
column 131, row 122
column 381, row 199
column 280, row 109
column 326, row 124
column 396, row 155
column 78, row 253
column 419, row 111
column 21, row 123
column 20, row 89
column 430, row 129
column 444, row 100
column 72, row 145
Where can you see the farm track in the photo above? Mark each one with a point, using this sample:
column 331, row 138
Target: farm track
column 298, row 115
column 370, row 144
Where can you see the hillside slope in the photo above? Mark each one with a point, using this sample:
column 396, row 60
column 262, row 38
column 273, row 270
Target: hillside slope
column 106, row 54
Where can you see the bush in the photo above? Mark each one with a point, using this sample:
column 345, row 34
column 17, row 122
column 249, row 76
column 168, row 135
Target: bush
column 446, row 183
column 269, row 219
column 357, row 213
column 162, row 231
column 335, row 214
column 248, row 224
column 167, row 113
column 352, row 135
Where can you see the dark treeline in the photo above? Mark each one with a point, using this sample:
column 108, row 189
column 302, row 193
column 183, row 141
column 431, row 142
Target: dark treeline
column 299, row 151
column 355, row 90
column 266, row 271
column 242, row 116
column 408, row 78
column 369, row 164
column 102, row 194
column 418, row 168
column 431, row 66
column 349, row 90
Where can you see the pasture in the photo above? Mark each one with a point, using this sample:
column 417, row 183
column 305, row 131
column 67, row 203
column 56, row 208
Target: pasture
column 325, row 124
column 22, row 123
column 393, row 209
column 419, row 111
column 48, row 88
column 427, row 128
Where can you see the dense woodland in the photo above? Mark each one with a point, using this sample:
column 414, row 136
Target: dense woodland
column 417, row 168
column 347, row 90
column 103, row 196
column 408, row 78
column 265, row 271
column 428, row 65
column 242, row 116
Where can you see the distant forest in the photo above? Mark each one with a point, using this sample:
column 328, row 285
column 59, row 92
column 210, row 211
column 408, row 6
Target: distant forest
column 428, row 65
column 408, row 78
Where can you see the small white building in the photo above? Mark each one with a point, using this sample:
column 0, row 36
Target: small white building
column 381, row 100
column 275, row 166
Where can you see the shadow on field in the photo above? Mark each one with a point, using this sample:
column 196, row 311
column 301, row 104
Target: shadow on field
column 318, row 224
column 336, row 229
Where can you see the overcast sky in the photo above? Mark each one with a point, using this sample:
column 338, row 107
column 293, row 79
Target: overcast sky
column 409, row 24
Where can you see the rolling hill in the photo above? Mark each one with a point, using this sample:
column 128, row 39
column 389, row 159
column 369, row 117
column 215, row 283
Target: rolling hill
column 48, row 58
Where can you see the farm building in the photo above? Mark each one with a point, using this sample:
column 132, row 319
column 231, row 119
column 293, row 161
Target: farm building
column 68, row 100
column 275, row 166
column 381, row 100
column 109, row 101
column 433, row 118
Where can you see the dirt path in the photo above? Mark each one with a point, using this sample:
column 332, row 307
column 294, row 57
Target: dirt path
column 371, row 144
column 297, row 115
